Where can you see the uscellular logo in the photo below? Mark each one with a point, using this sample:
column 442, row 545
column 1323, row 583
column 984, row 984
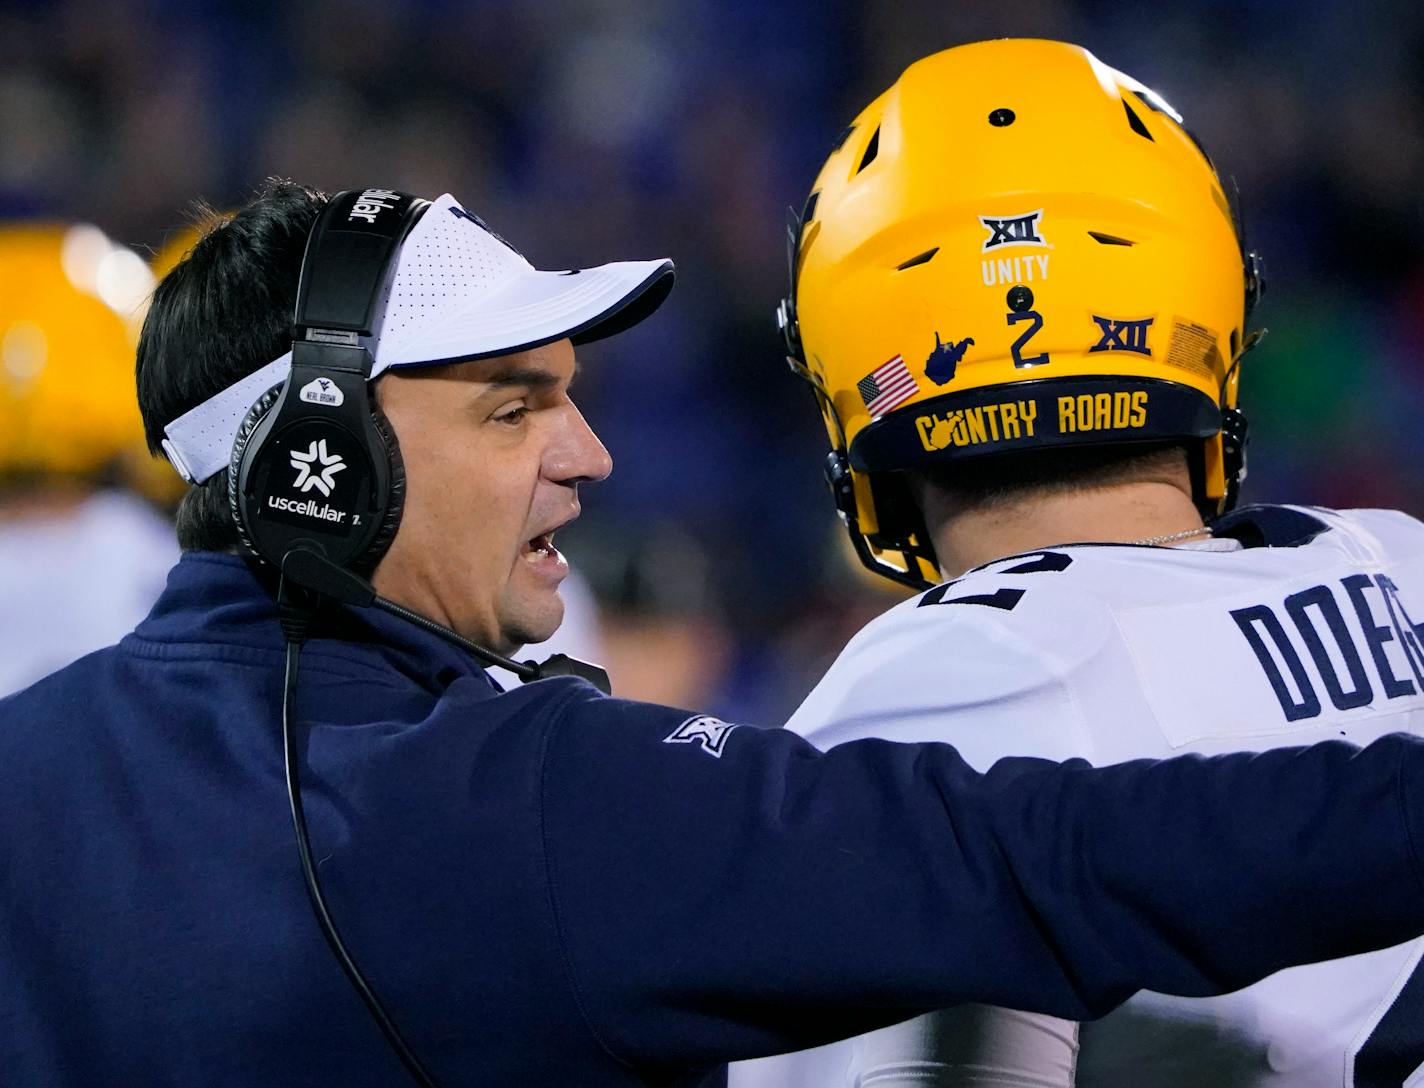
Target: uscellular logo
column 316, row 468
column 308, row 507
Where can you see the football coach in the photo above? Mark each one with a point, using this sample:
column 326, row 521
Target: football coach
column 288, row 832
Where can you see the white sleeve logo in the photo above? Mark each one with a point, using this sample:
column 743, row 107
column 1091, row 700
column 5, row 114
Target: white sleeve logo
column 711, row 733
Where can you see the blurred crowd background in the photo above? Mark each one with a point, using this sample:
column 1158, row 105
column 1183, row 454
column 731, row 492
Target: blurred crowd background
column 592, row 130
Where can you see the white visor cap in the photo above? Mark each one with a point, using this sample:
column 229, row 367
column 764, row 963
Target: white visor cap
column 459, row 292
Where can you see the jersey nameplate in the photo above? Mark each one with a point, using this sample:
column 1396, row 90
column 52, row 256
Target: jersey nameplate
column 1340, row 648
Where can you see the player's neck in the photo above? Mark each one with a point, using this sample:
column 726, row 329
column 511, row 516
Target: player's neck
column 1118, row 513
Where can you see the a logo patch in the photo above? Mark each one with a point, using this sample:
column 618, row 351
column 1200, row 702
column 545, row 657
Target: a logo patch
column 711, row 733
column 940, row 366
column 1122, row 335
column 887, row 386
column 322, row 391
column 1017, row 230
column 326, row 466
column 471, row 217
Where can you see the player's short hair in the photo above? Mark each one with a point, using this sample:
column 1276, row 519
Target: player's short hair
column 222, row 313
column 993, row 481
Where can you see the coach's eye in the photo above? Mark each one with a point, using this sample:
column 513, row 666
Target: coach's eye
column 512, row 414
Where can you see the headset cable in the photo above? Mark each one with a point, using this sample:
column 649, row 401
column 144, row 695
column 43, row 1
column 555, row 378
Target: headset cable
column 296, row 618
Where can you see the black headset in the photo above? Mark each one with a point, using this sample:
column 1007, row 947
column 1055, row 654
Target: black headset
column 316, row 485
column 315, row 465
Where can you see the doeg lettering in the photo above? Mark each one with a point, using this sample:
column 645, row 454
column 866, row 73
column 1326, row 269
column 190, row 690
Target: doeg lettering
column 1334, row 661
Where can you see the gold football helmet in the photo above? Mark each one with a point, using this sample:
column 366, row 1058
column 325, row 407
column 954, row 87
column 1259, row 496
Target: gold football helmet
column 1014, row 247
column 70, row 302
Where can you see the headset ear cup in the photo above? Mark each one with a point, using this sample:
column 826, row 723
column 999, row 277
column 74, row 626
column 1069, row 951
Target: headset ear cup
column 395, row 501
column 250, row 422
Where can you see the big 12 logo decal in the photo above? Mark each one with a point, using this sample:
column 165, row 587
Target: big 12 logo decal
column 1012, row 232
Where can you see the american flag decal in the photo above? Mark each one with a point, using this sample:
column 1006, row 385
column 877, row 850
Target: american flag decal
column 887, row 386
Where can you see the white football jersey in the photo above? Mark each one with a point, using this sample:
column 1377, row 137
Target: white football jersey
column 1113, row 652
column 74, row 581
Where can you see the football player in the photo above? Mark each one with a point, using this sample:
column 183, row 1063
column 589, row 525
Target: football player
column 1022, row 297
column 82, row 556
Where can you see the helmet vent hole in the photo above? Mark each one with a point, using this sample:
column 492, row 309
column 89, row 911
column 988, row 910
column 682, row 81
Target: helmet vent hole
column 1235, row 342
column 1110, row 239
column 1135, row 122
column 809, row 211
column 871, row 150
column 923, row 258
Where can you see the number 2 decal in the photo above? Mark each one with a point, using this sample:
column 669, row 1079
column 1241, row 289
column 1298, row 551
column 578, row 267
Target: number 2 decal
column 1035, row 320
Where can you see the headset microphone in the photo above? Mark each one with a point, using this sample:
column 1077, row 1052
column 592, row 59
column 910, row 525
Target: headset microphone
column 313, row 571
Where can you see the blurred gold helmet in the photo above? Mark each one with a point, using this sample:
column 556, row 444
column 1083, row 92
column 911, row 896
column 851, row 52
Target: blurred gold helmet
column 1015, row 247
column 70, row 303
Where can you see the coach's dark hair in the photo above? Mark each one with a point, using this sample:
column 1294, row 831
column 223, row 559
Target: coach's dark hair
column 222, row 313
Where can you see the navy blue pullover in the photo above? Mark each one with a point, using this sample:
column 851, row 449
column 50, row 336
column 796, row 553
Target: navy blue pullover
column 546, row 891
